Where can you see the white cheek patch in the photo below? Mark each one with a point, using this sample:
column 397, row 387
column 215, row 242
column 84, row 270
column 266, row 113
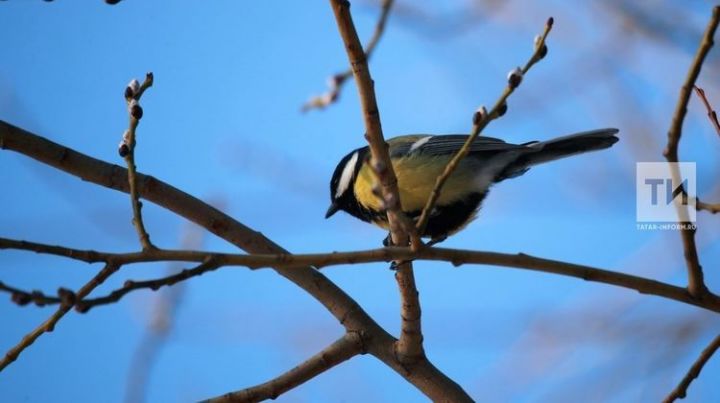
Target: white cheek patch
column 419, row 143
column 346, row 175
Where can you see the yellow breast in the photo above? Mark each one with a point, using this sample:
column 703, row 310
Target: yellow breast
column 416, row 179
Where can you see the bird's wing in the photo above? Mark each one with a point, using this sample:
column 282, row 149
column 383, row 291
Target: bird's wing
column 447, row 144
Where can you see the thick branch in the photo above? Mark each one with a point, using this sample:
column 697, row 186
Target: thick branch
column 49, row 325
column 696, row 283
column 424, row 376
column 410, row 346
column 346, row 347
column 681, row 390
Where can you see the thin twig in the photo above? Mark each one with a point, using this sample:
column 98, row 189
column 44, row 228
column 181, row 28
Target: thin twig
column 480, row 120
column 49, row 324
column 712, row 208
column 456, row 257
column 696, row 283
column 154, row 285
column 710, row 111
column 336, row 81
column 409, row 347
column 344, row 348
column 22, row 297
column 133, row 93
column 681, row 390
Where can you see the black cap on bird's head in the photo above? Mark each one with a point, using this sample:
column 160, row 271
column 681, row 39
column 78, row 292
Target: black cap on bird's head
column 342, row 196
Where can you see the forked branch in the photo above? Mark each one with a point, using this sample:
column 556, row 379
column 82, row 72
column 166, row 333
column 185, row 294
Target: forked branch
column 696, row 282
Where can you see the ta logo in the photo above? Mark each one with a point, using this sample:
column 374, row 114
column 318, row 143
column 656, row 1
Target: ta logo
column 658, row 194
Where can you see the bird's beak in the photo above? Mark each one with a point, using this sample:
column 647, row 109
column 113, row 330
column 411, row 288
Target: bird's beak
column 334, row 207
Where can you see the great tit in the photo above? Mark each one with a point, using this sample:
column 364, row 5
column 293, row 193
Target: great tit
column 419, row 159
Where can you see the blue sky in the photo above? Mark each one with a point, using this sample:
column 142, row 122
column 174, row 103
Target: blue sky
column 222, row 122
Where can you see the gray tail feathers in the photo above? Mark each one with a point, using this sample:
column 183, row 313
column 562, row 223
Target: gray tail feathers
column 561, row 147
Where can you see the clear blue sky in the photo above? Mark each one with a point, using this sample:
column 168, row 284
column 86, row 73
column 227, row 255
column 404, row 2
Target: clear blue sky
column 223, row 123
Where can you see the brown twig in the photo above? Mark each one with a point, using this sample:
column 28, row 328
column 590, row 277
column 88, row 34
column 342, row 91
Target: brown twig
column 154, row 285
column 456, row 257
column 336, row 81
column 712, row 208
column 49, row 324
column 409, row 347
column 424, row 376
column 22, row 297
column 681, row 390
column 344, row 348
column 133, row 93
column 480, row 120
column 696, row 283
column 710, row 111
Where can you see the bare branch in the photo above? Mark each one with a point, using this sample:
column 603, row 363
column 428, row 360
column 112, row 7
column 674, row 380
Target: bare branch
column 456, row 257
column 409, row 347
column 87, row 256
column 710, row 111
column 424, row 375
column 22, row 297
column 696, row 283
column 344, row 348
column 712, row 208
column 336, row 81
column 133, row 93
column 681, row 390
column 49, row 325
column 130, row 285
column 480, row 120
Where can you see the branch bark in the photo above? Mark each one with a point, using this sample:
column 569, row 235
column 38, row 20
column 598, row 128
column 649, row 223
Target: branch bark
column 456, row 257
column 410, row 345
column 696, row 282
column 49, row 325
column 681, row 390
column 380, row 344
column 346, row 347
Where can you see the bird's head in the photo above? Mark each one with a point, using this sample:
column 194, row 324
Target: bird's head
column 342, row 196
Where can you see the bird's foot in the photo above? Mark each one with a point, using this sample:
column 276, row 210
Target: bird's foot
column 436, row 240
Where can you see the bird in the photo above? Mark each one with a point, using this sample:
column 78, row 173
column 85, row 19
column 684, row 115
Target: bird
column 418, row 160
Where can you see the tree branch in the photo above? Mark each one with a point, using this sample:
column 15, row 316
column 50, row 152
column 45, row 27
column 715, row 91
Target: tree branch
column 344, row 348
column 480, row 120
column 712, row 115
column 456, row 257
column 696, row 283
column 336, row 81
column 22, row 297
column 424, row 375
column 49, row 325
column 409, row 347
column 133, row 93
column 154, row 285
column 681, row 390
